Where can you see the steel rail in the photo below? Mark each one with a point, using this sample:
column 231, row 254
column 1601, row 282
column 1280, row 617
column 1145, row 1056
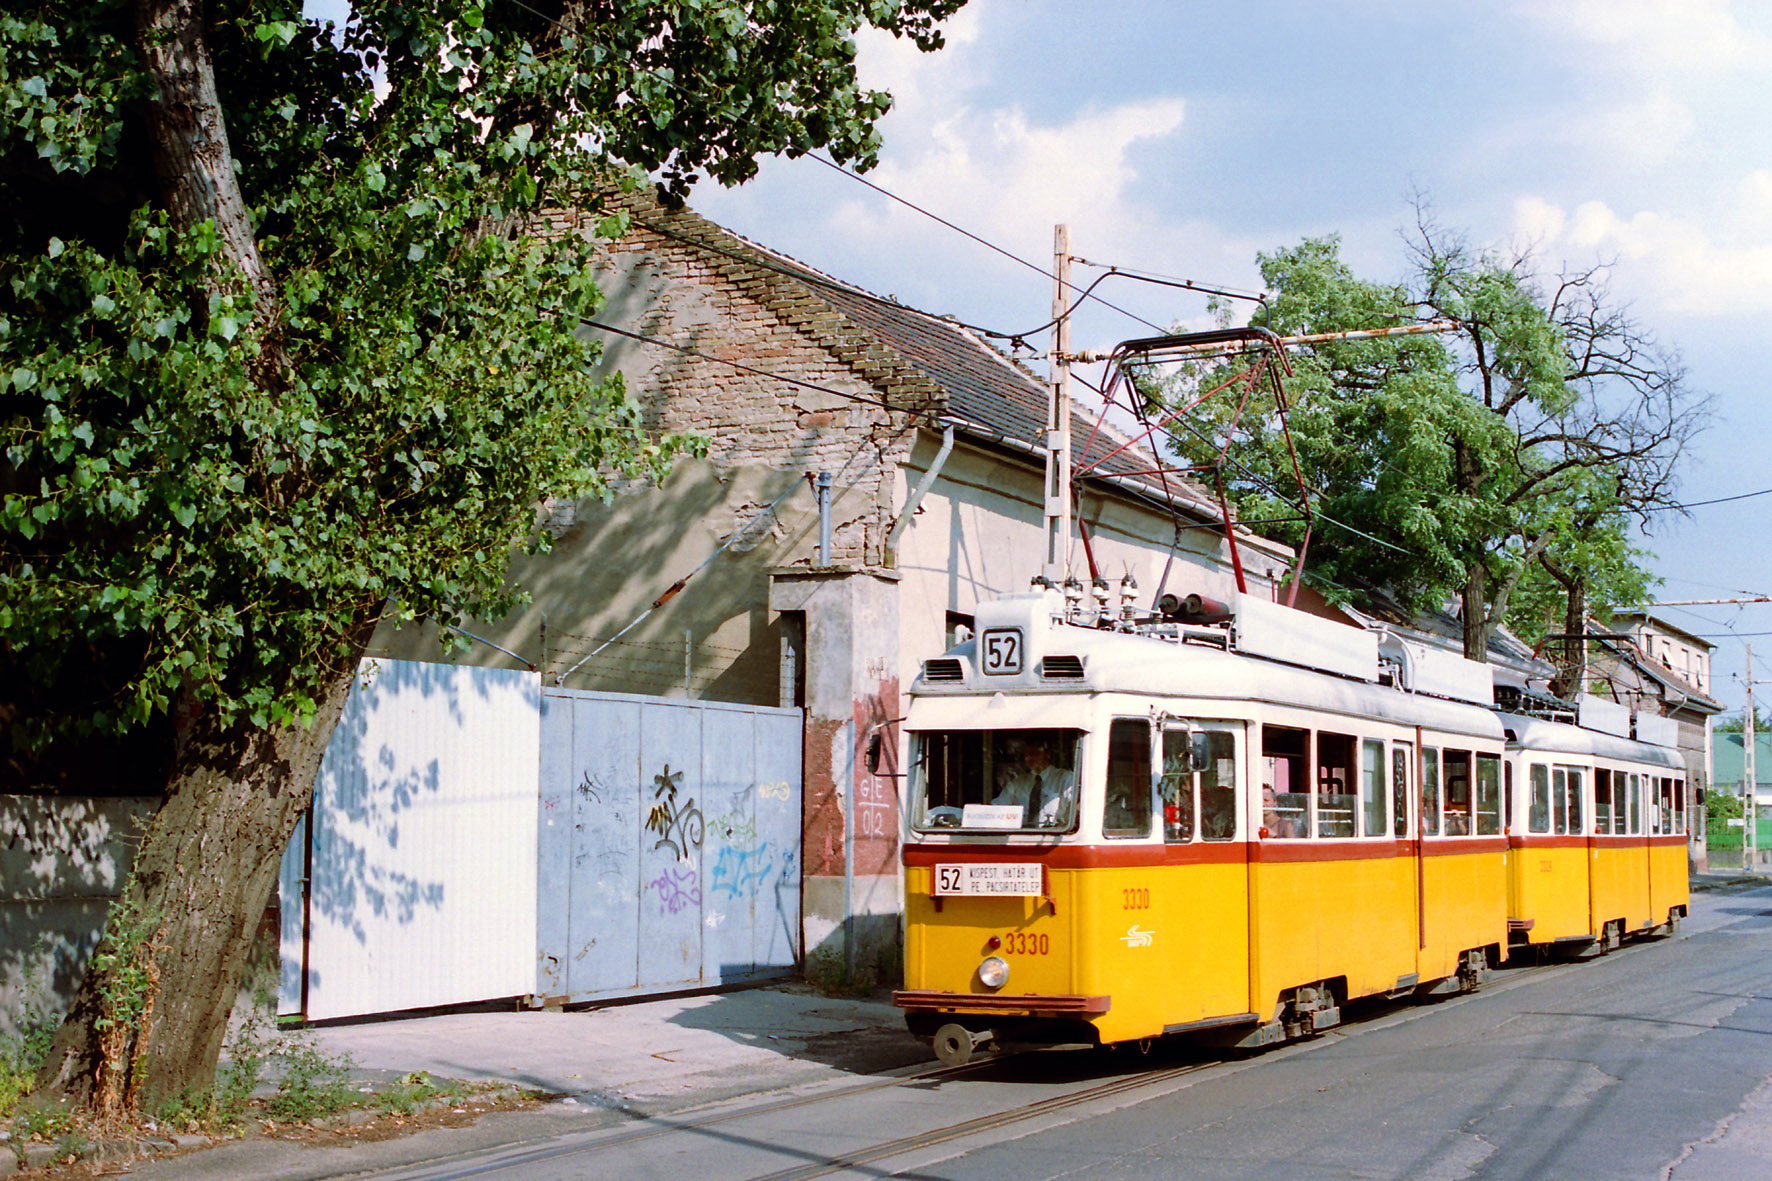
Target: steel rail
column 664, row 1125
column 984, row 1123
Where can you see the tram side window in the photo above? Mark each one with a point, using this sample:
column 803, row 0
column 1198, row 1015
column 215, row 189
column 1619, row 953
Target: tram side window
column 1430, row 792
column 1373, row 821
column 1538, row 813
column 1602, row 800
column 1177, row 788
column 1128, row 812
column 1401, row 753
column 1636, row 806
column 1218, row 788
column 1458, row 793
column 1335, row 795
column 1285, row 789
column 1679, row 805
column 1560, row 801
column 1575, row 811
column 1488, row 795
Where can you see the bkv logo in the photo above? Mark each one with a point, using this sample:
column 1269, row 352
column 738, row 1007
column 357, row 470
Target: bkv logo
column 1135, row 936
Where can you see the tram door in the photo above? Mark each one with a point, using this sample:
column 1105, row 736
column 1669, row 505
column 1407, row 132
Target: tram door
column 1206, row 859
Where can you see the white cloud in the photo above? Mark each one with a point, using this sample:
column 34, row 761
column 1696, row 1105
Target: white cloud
column 1654, row 36
column 1615, row 134
column 1011, row 179
column 1715, row 267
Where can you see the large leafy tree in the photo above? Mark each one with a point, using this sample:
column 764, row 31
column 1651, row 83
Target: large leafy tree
column 1451, row 466
column 277, row 358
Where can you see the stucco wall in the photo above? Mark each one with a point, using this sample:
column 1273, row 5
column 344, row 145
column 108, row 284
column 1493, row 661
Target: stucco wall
column 63, row 860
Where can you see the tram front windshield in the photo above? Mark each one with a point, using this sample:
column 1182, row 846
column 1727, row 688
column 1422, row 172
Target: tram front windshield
column 1014, row 780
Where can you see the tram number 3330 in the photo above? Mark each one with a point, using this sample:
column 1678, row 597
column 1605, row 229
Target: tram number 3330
column 1136, row 898
column 1022, row 943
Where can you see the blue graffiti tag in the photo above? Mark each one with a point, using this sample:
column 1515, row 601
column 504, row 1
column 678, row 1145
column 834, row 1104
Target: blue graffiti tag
column 740, row 870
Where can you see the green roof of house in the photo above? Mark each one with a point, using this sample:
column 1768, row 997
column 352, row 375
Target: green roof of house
column 1727, row 758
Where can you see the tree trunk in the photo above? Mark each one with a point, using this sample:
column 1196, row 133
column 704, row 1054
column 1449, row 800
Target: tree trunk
column 1474, row 604
column 151, row 1015
column 192, row 157
column 1572, row 667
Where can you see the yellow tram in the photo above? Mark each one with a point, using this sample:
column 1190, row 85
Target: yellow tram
column 1227, row 830
column 1598, row 835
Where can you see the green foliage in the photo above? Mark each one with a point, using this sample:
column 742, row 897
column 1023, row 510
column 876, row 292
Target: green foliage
column 1510, row 448
column 1736, row 723
column 409, row 1092
column 311, row 1083
column 34, row 1024
column 1378, row 426
column 123, row 961
column 211, row 484
column 46, row 1123
column 251, row 1050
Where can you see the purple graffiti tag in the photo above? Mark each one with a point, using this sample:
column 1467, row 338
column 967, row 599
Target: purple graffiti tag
column 677, row 888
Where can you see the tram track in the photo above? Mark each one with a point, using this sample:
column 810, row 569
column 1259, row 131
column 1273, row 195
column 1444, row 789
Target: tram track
column 655, row 1126
column 984, row 1123
column 590, row 1145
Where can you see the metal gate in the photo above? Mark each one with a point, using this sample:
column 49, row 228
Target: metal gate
column 667, row 844
column 416, row 885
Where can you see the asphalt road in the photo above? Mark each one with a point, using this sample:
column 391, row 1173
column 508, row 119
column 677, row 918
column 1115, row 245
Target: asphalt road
column 1634, row 1065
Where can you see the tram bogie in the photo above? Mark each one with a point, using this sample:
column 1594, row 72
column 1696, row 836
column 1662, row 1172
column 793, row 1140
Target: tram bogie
column 1117, row 837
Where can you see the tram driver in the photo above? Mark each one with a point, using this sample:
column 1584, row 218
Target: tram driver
column 1045, row 793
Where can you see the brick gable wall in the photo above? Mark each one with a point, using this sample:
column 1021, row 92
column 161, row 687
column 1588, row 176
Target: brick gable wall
column 663, row 286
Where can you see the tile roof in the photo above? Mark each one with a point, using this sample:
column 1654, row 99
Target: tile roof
column 1629, row 655
column 920, row 361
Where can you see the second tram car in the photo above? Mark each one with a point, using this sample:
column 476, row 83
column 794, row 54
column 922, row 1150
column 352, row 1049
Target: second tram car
column 1598, row 836
column 1224, row 831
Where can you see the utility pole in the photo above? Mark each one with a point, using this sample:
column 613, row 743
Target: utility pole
column 1058, row 425
column 1749, row 777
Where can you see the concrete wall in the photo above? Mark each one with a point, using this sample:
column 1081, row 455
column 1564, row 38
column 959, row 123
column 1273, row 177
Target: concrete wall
column 63, row 859
column 850, row 900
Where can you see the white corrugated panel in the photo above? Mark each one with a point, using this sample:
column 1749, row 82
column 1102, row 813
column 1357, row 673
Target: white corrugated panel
column 1657, row 730
column 1608, row 717
column 423, row 885
column 1279, row 632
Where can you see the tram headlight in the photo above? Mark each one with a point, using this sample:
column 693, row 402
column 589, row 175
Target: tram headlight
column 994, row 972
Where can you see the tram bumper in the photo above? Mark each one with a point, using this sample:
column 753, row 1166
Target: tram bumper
column 997, row 1021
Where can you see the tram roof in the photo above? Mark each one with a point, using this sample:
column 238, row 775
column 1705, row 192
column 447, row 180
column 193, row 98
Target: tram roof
column 1115, row 662
column 1540, row 734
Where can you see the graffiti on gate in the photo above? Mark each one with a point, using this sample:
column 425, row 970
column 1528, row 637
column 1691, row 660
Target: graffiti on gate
column 677, row 889
column 740, row 870
column 735, row 828
column 678, row 824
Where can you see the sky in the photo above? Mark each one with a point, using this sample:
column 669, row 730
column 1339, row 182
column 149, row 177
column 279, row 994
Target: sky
column 1182, row 138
